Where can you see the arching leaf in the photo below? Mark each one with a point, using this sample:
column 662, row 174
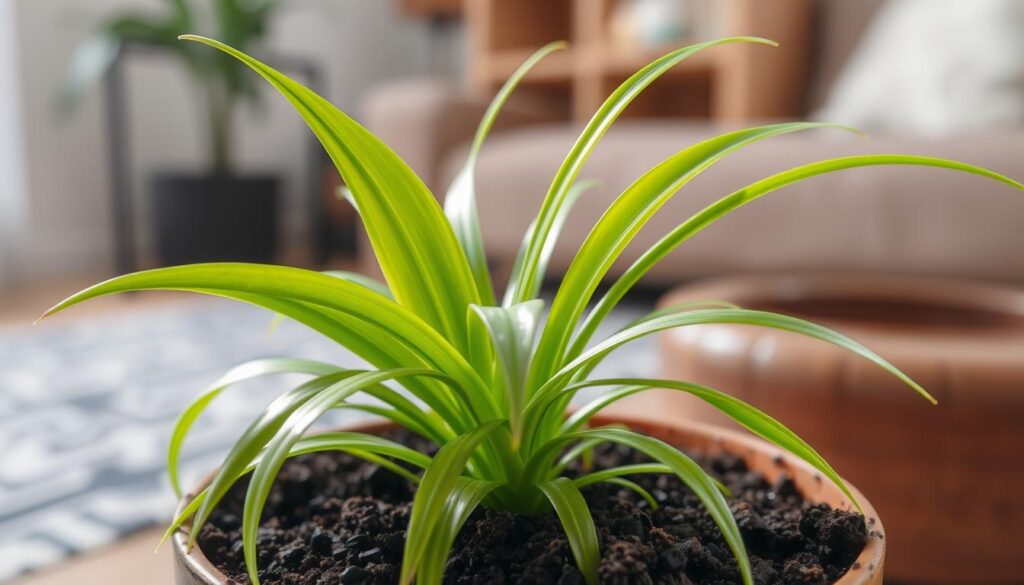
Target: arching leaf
column 737, row 199
column 236, row 375
column 460, row 203
column 584, row 146
column 512, row 332
column 465, row 497
column 422, row 261
column 626, row 216
column 437, row 485
column 702, row 485
column 577, row 522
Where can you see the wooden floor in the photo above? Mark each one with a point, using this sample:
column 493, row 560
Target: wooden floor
column 129, row 562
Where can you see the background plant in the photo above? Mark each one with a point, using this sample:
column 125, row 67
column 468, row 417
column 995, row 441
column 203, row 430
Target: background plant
column 223, row 81
column 488, row 381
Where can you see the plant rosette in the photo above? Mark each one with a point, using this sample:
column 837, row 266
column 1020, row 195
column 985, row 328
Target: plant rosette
column 487, row 378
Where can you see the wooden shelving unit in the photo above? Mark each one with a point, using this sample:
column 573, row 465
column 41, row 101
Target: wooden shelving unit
column 729, row 83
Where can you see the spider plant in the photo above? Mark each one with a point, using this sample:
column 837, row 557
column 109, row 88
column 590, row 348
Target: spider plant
column 488, row 380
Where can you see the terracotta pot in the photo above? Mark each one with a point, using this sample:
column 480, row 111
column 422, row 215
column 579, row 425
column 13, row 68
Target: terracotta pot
column 947, row 479
column 194, row 569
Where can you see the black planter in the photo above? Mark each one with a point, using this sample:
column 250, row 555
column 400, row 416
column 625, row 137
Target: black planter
column 210, row 218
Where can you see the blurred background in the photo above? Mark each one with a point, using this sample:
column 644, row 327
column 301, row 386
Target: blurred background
column 123, row 148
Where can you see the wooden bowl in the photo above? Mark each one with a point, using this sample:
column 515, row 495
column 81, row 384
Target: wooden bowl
column 194, row 568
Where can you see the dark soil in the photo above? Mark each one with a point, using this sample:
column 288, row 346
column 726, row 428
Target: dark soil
column 334, row 519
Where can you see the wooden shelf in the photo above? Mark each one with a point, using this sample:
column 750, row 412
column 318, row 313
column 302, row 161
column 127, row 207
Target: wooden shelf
column 729, row 83
column 497, row 66
column 620, row 60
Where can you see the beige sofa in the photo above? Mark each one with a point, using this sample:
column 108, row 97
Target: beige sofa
column 879, row 219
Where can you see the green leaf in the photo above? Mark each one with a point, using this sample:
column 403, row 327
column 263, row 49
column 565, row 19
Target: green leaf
column 269, row 285
column 460, row 203
column 593, row 356
column 379, row 348
column 438, row 482
column 362, row 280
column 422, row 261
column 626, row 216
column 616, row 473
column 396, row 416
column 512, row 332
column 606, row 474
column 582, row 415
column 739, row 198
column 465, row 497
column 533, row 287
column 584, row 146
column 635, row 487
column 236, row 375
column 579, row 527
column 356, row 443
column 747, row 416
column 409, row 415
column 556, row 409
column 460, row 207
column 680, row 308
column 336, row 441
column 252, row 441
column 368, row 341
column 289, row 433
column 582, row 450
column 683, row 467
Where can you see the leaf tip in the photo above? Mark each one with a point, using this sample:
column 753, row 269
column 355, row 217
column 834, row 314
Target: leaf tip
column 924, row 393
column 54, row 309
column 761, row 41
column 846, row 127
column 204, row 40
column 167, row 534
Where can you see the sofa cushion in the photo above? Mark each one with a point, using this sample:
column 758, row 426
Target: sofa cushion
column 883, row 219
column 903, row 78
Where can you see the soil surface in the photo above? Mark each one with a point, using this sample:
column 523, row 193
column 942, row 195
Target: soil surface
column 334, row 519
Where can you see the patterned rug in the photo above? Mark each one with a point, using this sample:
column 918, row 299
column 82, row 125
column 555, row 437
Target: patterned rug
column 86, row 408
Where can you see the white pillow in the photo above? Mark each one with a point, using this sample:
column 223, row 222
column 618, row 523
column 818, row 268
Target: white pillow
column 935, row 67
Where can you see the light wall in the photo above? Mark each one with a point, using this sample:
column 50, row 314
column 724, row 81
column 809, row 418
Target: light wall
column 65, row 226
column 12, row 177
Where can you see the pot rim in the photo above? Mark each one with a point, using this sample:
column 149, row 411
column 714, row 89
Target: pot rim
column 866, row 569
